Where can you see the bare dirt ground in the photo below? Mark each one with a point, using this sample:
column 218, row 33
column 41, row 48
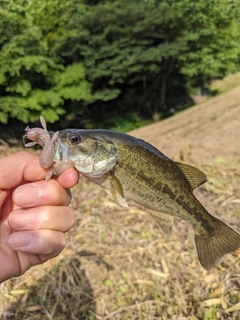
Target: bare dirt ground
column 209, row 131
column 118, row 264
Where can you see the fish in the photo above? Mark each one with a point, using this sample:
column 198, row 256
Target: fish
column 131, row 168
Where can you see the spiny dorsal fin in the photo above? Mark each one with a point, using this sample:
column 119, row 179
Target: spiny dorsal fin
column 194, row 175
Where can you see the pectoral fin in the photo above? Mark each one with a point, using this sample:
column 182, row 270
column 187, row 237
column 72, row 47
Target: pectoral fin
column 116, row 190
column 163, row 220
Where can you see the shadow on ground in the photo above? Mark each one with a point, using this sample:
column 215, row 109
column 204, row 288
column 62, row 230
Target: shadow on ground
column 63, row 293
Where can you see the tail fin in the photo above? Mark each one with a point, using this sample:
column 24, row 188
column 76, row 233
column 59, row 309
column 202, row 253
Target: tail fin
column 213, row 247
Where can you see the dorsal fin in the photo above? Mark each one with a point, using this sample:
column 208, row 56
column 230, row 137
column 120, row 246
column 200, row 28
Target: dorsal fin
column 194, row 175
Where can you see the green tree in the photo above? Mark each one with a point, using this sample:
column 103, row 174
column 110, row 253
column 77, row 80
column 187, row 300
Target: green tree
column 125, row 44
column 33, row 79
column 211, row 30
column 154, row 49
column 65, row 58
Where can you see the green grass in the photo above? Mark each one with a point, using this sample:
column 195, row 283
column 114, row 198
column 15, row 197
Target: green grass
column 226, row 84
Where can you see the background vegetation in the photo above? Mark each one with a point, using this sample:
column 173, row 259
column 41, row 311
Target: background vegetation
column 95, row 63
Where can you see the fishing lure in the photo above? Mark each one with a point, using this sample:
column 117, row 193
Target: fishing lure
column 42, row 137
column 50, row 158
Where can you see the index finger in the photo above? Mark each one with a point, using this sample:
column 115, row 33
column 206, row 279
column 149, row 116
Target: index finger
column 18, row 167
column 68, row 178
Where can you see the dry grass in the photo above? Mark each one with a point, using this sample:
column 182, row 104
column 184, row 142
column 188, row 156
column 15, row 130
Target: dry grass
column 118, row 265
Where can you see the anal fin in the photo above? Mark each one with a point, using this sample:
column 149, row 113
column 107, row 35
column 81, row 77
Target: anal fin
column 163, row 220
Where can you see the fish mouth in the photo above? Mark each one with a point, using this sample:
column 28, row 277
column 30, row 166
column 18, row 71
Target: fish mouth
column 61, row 151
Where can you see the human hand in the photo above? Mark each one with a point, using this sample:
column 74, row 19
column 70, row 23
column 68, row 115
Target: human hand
column 34, row 213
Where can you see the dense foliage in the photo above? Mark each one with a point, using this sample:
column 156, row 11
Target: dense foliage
column 85, row 60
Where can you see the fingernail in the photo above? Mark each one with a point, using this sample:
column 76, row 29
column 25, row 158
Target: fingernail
column 20, row 220
column 26, row 195
column 19, row 239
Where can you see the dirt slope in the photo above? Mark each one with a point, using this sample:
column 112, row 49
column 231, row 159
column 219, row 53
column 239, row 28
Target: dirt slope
column 208, row 131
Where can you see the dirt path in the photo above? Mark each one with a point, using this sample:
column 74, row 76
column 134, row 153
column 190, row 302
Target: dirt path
column 206, row 132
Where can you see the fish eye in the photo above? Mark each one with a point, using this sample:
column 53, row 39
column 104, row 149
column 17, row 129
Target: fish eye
column 74, row 138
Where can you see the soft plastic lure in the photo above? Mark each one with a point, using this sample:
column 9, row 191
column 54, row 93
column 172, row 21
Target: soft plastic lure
column 42, row 137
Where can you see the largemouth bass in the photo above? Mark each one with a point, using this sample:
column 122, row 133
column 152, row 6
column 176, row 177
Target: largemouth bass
column 131, row 168
column 127, row 167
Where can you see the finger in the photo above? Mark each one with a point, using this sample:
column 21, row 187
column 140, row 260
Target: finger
column 41, row 193
column 41, row 242
column 3, row 196
column 20, row 166
column 60, row 218
column 68, row 178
